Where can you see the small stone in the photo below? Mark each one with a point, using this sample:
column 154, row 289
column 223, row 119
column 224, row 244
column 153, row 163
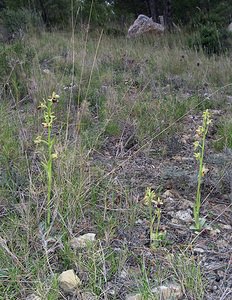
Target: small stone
column 221, row 273
column 168, row 194
column 214, row 232
column 185, row 204
column 134, row 297
column 111, row 292
column 216, row 112
column 171, row 291
column 123, row 274
column 229, row 99
column 198, row 250
column 46, row 71
column 222, row 243
column 175, row 221
column 226, row 226
column 111, row 289
column 104, row 88
column 71, row 87
column 69, row 281
column 83, row 240
column 184, row 215
column 139, row 222
column 33, row 297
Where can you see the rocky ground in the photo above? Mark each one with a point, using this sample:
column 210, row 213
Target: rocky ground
column 174, row 175
column 153, row 104
column 175, row 172
column 169, row 168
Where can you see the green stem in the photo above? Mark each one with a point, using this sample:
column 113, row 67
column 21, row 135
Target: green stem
column 151, row 220
column 158, row 223
column 198, row 196
column 49, row 169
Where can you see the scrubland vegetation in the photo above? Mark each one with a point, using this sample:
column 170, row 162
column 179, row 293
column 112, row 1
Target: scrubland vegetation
column 123, row 126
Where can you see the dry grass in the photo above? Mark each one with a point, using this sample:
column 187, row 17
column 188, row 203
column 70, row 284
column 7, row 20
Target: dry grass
column 119, row 88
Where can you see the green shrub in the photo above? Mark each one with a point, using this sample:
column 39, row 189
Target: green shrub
column 112, row 129
column 20, row 21
column 211, row 39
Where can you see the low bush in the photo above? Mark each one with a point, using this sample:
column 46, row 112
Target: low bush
column 211, row 39
column 19, row 21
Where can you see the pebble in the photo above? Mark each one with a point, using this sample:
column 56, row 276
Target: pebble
column 168, row 292
column 123, row 274
column 198, row 250
column 82, row 241
column 222, row 243
column 167, row 194
column 185, row 204
column 164, row 292
column 69, row 281
column 226, row 226
column 229, row 99
column 46, row 71
column 184, row 215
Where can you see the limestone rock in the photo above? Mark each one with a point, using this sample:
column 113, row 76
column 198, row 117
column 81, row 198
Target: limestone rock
column 69, row 281
column 184, row 215
column 226, row 226
column 83, row 240
column 229, row 99
column 143, row 25
column 168, row 194
column 198, row 250
column 163, row 292
column 46, row 71
column 168, row 292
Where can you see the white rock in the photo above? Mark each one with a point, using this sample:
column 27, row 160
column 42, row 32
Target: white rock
column 69, row 281
column 139, row 222
column 184, row 215
column 124, row 274
column 185, row 204
column 169, row 292
column 226, row 226
column 168, row 195
column 214, row 232
column 229, row 99
column 83, row 240
column 46, row 71
column 175, row 221
column 199, row 250
column 221, row 243
column 111, row 292
column 143, row 25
